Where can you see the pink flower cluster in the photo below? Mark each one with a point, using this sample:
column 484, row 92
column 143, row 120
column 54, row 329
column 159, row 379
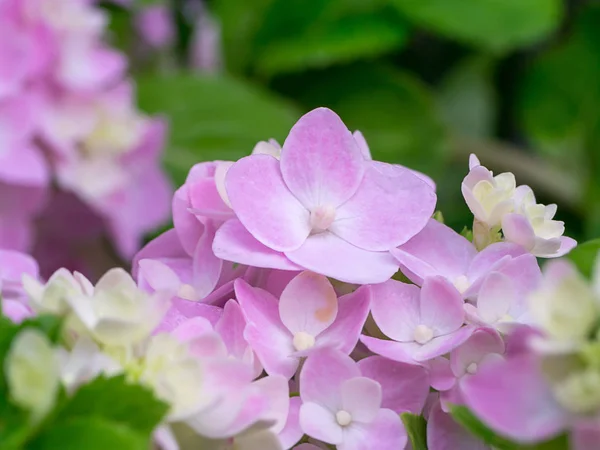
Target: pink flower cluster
column 317, row 301
column 71, row 140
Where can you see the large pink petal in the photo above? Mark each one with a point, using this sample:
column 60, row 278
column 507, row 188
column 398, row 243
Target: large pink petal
column 234, row 243
column 265, row 332
column 331, row 256
column 320, row 160
column 395, row 308
column 404, row 387
column 441, row 306
column 167, row 245
column 24, row 165
column 443, row 433
column 322, row 374
column 441, row 345
column 361, row 397
column 308, row 304
column 436, row 250
column 15, row 310
column 231, row 328
column 386, row 432
column 492, row 257
column 265, row 205
column 512, row 398
column 396, row 351
column 390, row 206
column 353, row 310
column 319, row 423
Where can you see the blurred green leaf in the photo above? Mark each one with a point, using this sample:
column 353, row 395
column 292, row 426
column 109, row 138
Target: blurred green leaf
column 213, row 117
column 137, row 407
column 467, row 99
column 559, row 99
column 416, row 428
column 326, row 37
column 394, row 111
column 584, row 256
column 463, row 416
column 489, row 24
column 90, row 434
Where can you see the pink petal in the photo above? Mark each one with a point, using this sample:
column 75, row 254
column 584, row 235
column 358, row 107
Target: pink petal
column 333, row 257
column 441, row 375
column 231, row 328
column 517, row 229
column 234, row 243
column 362, row 144
column 495, row 297
column 183, row 310
column 396, row 351
column 395, row 308
column 207, row 267
column 390, row 206
column 441, row 345
column 292, row 432
column 265, row 332
column 443, row 433
column 512, row 398
column 24, row 165
column 308, row 303
column 441, row 306
column 275, row 389
column 386, row 432
column 15, row 310
column 361, row 397
column 278, row 220
column 14, row 264
column 566, row 244
column 320, row 160
column 206, row 200
column 353, row 310
column 322, row 374
column 481, row 343
column 436, row 250
column 319, row 423
column 164, row 246
column 158, row 275
column 187, row 225
column 404, row 387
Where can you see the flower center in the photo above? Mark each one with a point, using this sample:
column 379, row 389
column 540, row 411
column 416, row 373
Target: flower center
column 462, row 284
column 472, row 368
column 423, row 334
column 344, row 418
column 322, row 217
column 303, row 341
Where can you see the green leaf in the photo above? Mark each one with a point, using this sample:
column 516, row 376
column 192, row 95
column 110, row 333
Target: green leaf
column 585, row 255
column 467, row 419
column 116, row 400
column 559, row 98
column 467, row 99
column 213, row 117
column 489, row 24
column 90, row 434
column 328, row 39
column 416, row 428
column 394, row 111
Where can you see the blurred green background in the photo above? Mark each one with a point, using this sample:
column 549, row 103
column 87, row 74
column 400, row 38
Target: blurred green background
column 427, row 82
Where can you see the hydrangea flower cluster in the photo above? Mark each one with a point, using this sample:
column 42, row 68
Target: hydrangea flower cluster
column 73, row 147
column 306, row 298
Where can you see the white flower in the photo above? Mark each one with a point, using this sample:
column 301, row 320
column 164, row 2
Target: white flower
column 532, row 226
column 489, row 197
column 52, row 296
column 119, row 313
column 32, row 372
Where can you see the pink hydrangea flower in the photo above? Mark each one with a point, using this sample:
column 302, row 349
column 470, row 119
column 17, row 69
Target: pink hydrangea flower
column 422, row 323
column 440, row 251
column 307, row 316
column 13, row 265
column 342, row 407
column 328, row 210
